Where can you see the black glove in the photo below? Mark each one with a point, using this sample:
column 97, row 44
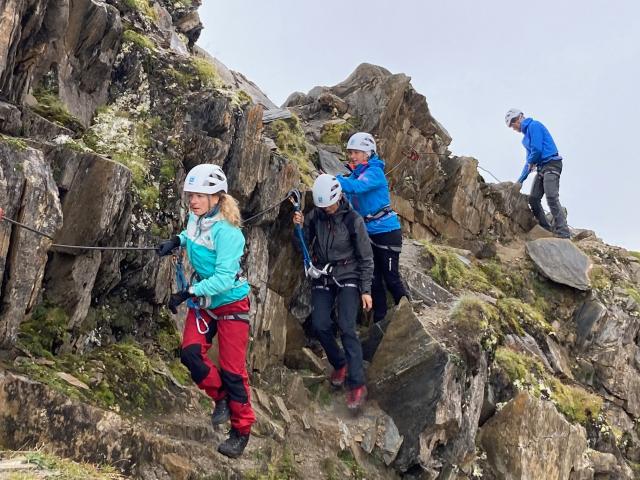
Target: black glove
column 176, row 299
column 167, row 246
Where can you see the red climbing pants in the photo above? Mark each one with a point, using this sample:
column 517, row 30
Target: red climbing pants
column 230, row 379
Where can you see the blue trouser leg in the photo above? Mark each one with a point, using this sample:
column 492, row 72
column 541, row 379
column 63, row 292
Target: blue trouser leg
column 322, row 302
column 348, row 306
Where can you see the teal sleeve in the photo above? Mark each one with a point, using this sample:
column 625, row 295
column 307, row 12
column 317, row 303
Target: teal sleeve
column 229, row 244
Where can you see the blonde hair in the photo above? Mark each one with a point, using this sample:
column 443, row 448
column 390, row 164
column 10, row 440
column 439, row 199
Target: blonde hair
column 229, row 209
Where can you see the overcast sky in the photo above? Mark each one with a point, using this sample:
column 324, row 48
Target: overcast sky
column 574, row 65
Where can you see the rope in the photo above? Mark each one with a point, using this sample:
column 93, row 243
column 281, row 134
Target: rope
column 75, row 247
column 246, row 220
column 183, row 284
column 296, row 197
column 489, row 172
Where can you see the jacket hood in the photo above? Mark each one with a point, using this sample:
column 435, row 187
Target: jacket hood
column 343, row 208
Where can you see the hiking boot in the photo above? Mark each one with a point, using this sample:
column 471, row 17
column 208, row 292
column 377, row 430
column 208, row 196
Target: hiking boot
column 233, row 446
column 356, row 397
column 339, row 376
column 221, row 412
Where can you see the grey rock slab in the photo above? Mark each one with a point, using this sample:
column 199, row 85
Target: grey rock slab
column 330, row 163
column 561, row 261
column 529, row 439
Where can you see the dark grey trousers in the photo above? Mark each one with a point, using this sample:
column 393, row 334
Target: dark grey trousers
column 547, row 182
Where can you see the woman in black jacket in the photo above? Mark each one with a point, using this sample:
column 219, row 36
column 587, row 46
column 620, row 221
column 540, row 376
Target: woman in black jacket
column 340, row 248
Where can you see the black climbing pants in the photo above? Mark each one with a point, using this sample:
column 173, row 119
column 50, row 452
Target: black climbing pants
column 386, row 271
column 323, row 295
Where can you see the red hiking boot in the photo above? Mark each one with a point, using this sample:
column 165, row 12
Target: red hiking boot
column 339, row 376
column 356, row 397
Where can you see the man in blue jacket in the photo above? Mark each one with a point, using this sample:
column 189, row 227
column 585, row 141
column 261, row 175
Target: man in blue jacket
column 542, row 154
column 368, row 191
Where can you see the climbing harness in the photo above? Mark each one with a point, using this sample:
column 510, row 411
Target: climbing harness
column 383, row 212
column 392, row 248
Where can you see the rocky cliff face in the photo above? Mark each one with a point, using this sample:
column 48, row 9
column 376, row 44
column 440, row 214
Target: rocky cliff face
column 512, row 361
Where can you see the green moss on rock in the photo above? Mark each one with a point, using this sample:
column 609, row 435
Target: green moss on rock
column 292, row 144
column 335, row 133
column 143, row 7
column 40, row 465
column 575, row 402
column 518, row 366
column 14, row 142
column 51, row 107
column 526, row 372
column 519, row 316
column 633, row 293
column 600, row 278
column 45, row 331
column 477, row 320
column 180, row 372
column 139, row 40
column 206, row 72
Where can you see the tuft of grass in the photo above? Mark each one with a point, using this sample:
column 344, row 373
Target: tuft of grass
column 138, row 39
column 143, row 7
column 635, row 254
column 575, row 402
column 45, row 331
column 292, row 144
column 518, row 316
column 206, row 72
column 282, row 467
column 180, row 372
column 14, row 142
column 524, row 371
column 477, row 321
column 40, row 464
column 357, row 473
column 519, row 367
column 321, row 394
column 335, row 133
column 448, row 270
column 51, row 107
column 600, row 278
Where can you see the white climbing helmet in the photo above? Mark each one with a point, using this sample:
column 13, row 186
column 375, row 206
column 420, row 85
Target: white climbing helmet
column 511, row 115
column 362, row 141
column 326, row 190
column 206, row 178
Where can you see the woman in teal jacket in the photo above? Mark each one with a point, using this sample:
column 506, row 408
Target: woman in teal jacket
column 218, row 302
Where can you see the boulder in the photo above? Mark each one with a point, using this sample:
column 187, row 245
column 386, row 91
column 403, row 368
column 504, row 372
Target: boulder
column 29, row 195
column 529, row 440
column 561, row 261
column 433, row 402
